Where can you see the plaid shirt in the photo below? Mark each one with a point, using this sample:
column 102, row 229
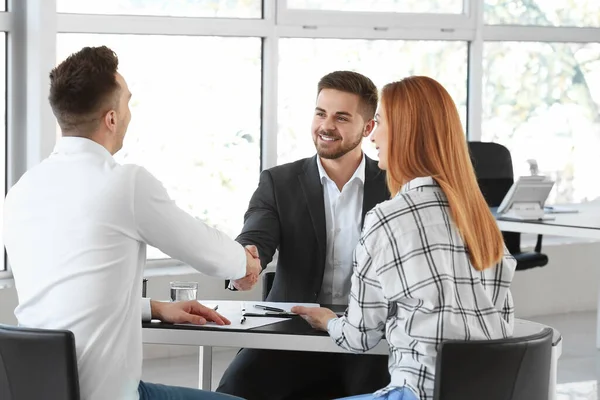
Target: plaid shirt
column 413, row 284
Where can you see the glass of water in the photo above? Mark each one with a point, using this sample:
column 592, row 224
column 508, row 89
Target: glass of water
column 183, row 291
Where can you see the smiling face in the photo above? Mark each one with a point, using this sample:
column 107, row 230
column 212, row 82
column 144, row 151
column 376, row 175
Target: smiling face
column 380, row 136
column 337, row 127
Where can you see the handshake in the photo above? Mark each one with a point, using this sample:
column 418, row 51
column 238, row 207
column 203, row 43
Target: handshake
column 253, row 270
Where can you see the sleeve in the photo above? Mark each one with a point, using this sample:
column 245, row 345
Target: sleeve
column 160, row 223
column 146, row 310
column 363, row 326
column 261, row 221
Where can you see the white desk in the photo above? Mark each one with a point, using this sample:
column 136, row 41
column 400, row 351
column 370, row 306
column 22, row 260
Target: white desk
column 289, row 335
column 584, row 224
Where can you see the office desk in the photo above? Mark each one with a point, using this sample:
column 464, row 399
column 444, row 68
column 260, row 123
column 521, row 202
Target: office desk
column 584, row 224
column 293, row 334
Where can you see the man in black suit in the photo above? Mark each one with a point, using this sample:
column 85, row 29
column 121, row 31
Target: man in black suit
column 312, row 211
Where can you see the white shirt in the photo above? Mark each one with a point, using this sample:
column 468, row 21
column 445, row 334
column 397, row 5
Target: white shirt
column 414, row 284
column 75, row 230
column 343, row 215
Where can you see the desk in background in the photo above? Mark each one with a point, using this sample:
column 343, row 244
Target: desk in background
column 583, row 224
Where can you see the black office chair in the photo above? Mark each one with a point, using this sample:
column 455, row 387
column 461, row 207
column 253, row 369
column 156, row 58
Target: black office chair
column 494, row 170
column 37, row 364
column 506, row 369
column 268, row 278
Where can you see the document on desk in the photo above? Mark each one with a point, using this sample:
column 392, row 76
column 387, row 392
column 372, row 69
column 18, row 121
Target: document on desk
column 271, row 309
column 234, row 310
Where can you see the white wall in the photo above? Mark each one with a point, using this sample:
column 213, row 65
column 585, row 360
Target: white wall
column 568, row 283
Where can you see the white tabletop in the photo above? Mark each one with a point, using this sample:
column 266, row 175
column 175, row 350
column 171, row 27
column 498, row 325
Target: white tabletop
column 583, row 224
column 278, row 341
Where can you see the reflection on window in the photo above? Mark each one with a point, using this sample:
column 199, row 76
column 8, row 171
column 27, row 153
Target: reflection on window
column 542, row 101
column 195, row 117
column 399, row 6
column 302, row 62
column 173, row 8
column 582, row 13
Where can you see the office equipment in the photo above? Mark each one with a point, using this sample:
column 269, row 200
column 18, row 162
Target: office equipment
column 526, row 197
column 583, row 224
column 494, row 171
column 560, row 210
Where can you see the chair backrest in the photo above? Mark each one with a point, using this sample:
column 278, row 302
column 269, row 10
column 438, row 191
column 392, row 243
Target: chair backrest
column 268, row 279
column 37, row 364
column 494, row 170
column 506, row 369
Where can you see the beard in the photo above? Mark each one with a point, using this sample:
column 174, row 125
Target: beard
column 337, row 148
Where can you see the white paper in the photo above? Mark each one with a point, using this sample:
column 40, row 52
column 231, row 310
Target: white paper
column 232, row 310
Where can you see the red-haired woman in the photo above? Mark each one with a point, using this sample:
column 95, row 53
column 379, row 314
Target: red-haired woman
column 431, row 263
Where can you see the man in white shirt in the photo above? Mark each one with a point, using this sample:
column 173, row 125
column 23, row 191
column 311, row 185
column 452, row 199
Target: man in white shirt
column 76, row 228
column 312, row 211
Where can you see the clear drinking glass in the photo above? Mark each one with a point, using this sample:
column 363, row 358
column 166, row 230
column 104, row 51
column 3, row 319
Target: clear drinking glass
column 183, row 291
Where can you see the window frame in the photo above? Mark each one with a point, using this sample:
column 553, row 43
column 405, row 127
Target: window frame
column 377, row 20
column 6, row 26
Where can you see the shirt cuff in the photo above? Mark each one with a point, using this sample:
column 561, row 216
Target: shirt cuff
column 146, row 310
column 242, row 270
column 334, row 328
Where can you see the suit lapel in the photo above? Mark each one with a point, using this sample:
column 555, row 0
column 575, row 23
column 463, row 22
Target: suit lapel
column 313, row 193
column 375, row 189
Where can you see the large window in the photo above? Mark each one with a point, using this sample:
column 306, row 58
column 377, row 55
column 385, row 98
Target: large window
column 582, row 13
column 399, row 6
column 542, row 101
column 195, row 117
column 174, row 8
column 223, row 88
column 383, row 61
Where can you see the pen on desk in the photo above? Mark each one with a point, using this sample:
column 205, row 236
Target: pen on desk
column 242, row 320
column 267, row 308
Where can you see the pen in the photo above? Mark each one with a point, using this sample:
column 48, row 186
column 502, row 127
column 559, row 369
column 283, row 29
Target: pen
column 216, row 307
column 267, row 308
column 242, row 320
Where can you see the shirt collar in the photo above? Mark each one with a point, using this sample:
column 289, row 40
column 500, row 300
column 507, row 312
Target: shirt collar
column 74, row 144
column 358, row 174
column 418, row 183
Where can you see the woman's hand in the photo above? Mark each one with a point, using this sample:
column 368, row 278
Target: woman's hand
column 317, row 317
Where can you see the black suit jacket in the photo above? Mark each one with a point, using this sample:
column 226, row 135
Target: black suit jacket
column 287, row 213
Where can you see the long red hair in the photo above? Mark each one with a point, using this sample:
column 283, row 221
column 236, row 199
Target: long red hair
column 426, row 138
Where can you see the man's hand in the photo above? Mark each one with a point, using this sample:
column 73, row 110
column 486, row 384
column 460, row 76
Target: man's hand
column 317, row 317
column 253, row 270
column 186, row 311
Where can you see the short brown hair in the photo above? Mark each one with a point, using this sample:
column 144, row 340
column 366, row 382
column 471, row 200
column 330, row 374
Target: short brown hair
column 82, row 88
column 355, row 83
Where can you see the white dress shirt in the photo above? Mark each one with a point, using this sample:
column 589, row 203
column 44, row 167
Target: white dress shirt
column 414, row 284
column 343, row 215
column 75, row 230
